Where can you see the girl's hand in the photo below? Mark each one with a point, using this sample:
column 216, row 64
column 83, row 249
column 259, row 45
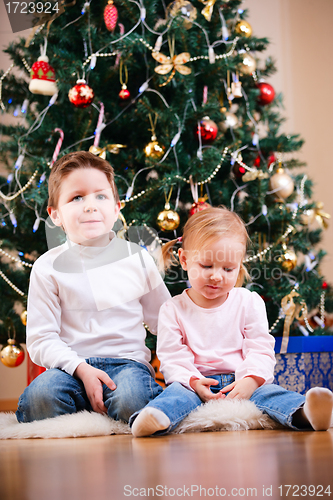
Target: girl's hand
column 201, row 387
column 93, row 380
column 243, row 388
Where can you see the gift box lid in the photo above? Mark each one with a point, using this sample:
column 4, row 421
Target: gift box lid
column 323, row 343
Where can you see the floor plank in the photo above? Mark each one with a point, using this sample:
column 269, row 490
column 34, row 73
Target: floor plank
column 199, row 465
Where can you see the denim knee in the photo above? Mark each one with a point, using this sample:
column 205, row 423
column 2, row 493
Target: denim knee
column 36, row 403
column 52, row 393
column 277, row 402
column 135, row 388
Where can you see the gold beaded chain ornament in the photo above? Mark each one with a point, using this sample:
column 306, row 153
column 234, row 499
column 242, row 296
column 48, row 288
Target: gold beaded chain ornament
column 226, row 55
column 183, row 179
column 20, row 191
column 1, row 79
column 93, row 57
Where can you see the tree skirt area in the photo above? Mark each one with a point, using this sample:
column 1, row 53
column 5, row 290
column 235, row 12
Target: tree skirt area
column 234, row 415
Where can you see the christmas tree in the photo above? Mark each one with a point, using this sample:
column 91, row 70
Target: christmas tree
column 174, row 96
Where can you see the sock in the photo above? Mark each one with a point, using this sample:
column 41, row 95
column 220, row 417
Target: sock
column 318, row 408
column 149, row 421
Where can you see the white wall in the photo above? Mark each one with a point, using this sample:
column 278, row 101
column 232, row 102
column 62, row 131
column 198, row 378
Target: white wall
column 13, row 380
column 301, row 43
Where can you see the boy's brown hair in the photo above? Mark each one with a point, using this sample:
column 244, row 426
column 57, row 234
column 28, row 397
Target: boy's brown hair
column 72, row 161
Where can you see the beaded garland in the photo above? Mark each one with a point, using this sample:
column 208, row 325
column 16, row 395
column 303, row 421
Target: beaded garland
column 20, row 191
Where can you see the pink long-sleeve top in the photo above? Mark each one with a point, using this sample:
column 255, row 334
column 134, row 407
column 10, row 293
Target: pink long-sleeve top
column 193, row 341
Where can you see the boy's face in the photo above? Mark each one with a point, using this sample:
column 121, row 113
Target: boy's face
column 86, row 207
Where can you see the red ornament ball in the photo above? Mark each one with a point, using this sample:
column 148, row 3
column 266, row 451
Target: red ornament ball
column 324, row 285
column 256, row 162
column 208, row 130
column 124, row 94
column 238, row 170
column 110, row 16
column 270, row 160
column 81, row 95
column 267, row 93
column 197, row 207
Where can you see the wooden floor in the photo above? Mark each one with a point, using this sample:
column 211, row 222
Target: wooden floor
column 252, row 464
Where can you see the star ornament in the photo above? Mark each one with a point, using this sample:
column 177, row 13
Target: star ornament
column 173, row 64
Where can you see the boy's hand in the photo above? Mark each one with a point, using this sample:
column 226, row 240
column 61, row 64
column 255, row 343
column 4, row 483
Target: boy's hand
column 93, row 380
column 201, row 387
column 243, row 388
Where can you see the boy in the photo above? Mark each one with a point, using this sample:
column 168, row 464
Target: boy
column 87, row 302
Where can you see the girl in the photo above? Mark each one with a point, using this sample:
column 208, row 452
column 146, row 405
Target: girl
column 213, row 339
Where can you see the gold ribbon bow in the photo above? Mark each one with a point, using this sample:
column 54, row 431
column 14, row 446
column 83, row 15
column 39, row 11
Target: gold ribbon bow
column 251, row 175
column 207, row 11
column 321, row 216
column 292, row 311
column 112, row 148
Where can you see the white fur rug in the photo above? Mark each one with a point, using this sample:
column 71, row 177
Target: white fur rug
column 213, row 416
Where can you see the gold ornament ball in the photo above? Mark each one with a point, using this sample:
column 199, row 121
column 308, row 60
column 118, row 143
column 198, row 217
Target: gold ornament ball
column 23, row 317
column 231, row 121
column 183, row 8
column 154, row 150
column 308, row 217
column 288, row 260
column 168, row 220
column 12, row 354
column 282, row 184
column 248, row 64
column 243, row 28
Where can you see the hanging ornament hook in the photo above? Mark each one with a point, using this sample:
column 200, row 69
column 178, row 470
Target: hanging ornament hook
column 124, row 94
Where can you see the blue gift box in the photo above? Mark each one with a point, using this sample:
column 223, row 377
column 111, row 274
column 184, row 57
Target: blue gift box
column 307, row 363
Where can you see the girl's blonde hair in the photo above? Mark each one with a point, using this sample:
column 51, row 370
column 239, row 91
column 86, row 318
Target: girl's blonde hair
column 207, row 226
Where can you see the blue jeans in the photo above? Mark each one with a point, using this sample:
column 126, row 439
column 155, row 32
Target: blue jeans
column 55, row 392
column 177, row 402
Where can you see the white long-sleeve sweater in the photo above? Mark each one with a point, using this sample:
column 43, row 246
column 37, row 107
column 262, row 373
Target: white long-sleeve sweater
column 231, row 338
column 91, row 302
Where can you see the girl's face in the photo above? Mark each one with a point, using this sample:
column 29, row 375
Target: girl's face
column 212, row 271
column 86, row 208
